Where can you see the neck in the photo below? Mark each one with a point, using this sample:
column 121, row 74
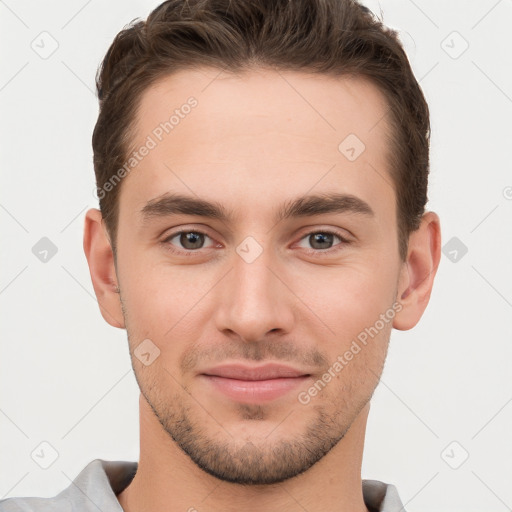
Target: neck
column 168, row 480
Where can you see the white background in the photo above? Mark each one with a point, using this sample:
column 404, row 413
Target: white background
column 65, row 374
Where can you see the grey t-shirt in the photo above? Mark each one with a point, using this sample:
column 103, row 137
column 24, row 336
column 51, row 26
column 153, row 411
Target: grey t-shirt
column 96, row 486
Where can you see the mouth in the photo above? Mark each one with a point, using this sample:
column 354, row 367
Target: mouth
column 253, row 384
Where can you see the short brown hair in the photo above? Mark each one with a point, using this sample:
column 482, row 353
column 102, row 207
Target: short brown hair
column 331, row 37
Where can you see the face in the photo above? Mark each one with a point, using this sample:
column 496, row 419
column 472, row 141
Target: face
column 247, row 308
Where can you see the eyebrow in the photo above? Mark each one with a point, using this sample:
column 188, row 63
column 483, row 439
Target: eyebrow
column 303, row 206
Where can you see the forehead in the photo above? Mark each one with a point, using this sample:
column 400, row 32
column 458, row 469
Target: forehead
column 263, row 132
column 320, row 108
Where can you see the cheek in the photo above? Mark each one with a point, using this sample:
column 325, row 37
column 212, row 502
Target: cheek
column 351, row 377
column 346, row 298
column 357, row 361
column 147, row 286
column 165, row 303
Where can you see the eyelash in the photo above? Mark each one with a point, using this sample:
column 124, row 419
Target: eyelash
column 316, row 252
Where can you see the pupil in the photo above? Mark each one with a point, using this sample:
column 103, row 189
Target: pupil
column 195, row 239
column 322, row 238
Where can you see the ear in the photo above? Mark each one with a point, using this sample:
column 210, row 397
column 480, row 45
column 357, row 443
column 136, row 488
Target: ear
column 418, row 272
column 98, row 251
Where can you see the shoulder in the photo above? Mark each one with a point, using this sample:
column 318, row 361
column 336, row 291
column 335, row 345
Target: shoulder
column 57, row 504
column 381, row 497
column 95, row 487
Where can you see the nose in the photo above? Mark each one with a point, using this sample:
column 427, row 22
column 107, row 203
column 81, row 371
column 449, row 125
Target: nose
column 255, row 299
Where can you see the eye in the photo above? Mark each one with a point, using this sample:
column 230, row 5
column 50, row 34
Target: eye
column 189, row 240
column 322, row 241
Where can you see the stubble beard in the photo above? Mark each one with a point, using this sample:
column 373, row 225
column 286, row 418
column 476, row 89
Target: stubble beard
column 263, row 462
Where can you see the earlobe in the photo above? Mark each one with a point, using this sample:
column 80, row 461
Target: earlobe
column 418, row 272
column 100, row 259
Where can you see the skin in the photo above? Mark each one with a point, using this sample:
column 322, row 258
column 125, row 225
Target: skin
column 253, row 142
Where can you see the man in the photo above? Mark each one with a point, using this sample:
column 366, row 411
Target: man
column 262, row 174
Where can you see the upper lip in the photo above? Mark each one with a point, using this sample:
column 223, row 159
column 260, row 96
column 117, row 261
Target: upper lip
column 244, row 372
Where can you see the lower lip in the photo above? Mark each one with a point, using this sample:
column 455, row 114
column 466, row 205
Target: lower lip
column 255, row 391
